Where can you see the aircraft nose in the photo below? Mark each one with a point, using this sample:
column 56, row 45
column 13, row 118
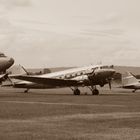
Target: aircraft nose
column 112, row 71
column 11, row 61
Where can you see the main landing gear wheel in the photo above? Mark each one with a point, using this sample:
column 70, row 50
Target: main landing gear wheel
column 95, row 92
column 134, row 90
column 76, row 92
column 26, row 91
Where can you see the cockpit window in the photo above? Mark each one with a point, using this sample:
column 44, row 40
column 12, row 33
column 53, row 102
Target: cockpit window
column 104, row 67
column 107, row 67
column 2, row 55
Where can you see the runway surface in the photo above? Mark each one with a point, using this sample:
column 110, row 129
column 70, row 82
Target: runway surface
column 59, row 115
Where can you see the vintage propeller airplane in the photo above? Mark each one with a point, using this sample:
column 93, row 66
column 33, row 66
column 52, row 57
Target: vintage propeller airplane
column 88, row 76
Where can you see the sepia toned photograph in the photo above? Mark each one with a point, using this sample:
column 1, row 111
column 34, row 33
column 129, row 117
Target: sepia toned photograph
column 69, row 70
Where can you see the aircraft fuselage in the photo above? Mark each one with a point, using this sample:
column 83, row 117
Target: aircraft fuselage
column 95, row 75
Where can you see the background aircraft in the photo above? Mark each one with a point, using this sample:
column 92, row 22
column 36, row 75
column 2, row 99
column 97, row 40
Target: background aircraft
column 129, row 81
column 89, row 76
column 5, row 63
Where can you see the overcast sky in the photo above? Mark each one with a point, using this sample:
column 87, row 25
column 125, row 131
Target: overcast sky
column 50, row 33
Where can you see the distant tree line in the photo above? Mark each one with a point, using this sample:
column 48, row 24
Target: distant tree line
column 43, row 71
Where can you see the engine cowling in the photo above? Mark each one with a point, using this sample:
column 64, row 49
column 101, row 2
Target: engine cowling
column 81, row 78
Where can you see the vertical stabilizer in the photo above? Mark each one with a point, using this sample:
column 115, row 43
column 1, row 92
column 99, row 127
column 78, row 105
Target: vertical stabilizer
column 11, row 81
column 128, row 79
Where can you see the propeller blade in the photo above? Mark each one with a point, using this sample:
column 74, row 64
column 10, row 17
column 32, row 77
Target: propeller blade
column 109, row 82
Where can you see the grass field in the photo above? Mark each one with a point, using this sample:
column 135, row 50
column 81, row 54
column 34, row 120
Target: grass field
column 59, row 115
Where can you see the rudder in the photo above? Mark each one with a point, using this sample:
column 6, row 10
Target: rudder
column 128, row 79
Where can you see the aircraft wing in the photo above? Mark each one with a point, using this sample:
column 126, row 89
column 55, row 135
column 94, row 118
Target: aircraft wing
column 48, row 81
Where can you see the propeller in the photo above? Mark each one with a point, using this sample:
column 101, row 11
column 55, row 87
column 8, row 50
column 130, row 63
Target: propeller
column 109, row 83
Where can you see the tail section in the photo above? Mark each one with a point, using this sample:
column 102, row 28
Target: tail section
column 11, row 81
column 24, row 70
column 19, row 70
column 128, row 79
